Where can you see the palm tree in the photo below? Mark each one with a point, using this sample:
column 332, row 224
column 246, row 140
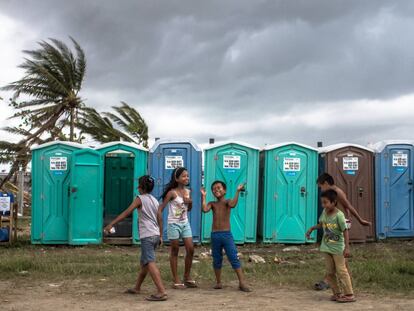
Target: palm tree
column 131, row 122
column 131, row 126
column 53, row 79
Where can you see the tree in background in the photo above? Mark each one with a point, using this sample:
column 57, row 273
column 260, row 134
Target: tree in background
column 48, row 103
column 131, row 126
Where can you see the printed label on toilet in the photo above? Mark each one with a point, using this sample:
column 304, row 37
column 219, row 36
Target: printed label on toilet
column 4, row 204
column 400, row 159
column 172, row 162
column 58, row 163
column 291, row 164
column 231, row 162
column 350, row 163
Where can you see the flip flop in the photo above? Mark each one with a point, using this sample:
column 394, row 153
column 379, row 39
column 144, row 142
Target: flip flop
column 218, row 286
column 322, row 285
column 190, row 284
column 157, row 298
column 335, row 297
column 132, row 291
column 345, row 299
column 245, row 289
column 178, row 286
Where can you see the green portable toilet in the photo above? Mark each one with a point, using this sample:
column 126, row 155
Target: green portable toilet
column 233, row 163
column 123, row 164
column 66, row 194
column 288, row 195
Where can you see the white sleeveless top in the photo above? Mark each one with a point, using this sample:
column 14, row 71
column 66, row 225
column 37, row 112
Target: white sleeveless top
column 177, row 210
column 147, row 216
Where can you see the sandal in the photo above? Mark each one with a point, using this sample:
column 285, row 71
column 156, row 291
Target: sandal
column 346, row 298
column 218, row 286
column 178, row 286
column 157, row 298
column 322, row 285
column 132, row 291
column 190, row 284
column 335, row 297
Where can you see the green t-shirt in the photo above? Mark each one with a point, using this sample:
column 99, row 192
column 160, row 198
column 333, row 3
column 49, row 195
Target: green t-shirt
column 333, row 241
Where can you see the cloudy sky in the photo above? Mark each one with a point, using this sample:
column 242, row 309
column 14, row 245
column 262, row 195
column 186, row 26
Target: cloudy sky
column 256, row 71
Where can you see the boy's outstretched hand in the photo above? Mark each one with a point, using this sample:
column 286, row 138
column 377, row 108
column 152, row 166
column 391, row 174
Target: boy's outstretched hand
column 366, row 223
column 203, row 191
column 241, row 187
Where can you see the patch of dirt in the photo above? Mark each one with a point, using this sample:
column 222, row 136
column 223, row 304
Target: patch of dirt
column 77, row 295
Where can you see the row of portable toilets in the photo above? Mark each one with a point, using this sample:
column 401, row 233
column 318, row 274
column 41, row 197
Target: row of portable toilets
column 78, row 189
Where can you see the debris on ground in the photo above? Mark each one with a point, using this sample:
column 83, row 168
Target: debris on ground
column 256, row 259
column 204, row 255
column 291, row 249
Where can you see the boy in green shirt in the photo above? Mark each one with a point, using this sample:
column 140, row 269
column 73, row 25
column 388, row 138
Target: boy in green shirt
column 335, row 246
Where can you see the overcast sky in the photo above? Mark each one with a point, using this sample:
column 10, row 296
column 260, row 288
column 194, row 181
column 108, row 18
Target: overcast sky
column 256, row 71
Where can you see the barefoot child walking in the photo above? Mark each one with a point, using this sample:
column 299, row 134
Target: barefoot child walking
column 221, row 236
column 178, row 198
column 334, row 246
column 149, row 233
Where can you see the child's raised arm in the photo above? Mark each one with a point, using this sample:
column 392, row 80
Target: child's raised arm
column 187, row 200
column 170, row 195
column 233, row 202
column 135, row 204
column 204, row 206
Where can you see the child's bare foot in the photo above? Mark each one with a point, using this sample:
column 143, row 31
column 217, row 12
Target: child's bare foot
column 218, row 286
column 132, row 291
column 244, row 288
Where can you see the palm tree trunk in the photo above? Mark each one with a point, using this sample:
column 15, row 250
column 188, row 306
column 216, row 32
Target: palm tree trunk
column 72, row 123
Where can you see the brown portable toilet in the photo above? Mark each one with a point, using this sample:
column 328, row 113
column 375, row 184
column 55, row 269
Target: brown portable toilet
column 352, row 167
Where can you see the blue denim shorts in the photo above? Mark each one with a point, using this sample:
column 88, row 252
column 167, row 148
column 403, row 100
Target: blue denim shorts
column 224, row 240
column 148, row 246
column 176, row 231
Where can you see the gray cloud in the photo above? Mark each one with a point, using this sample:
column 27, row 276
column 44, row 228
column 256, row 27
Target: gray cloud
column 239, row 62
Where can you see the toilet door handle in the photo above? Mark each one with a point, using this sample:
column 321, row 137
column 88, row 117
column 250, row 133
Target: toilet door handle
column 303, row 191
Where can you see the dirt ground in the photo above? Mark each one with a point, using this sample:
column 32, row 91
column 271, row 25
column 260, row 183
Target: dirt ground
column 75, row 295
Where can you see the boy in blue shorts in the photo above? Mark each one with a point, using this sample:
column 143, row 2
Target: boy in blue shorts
column 221, row 236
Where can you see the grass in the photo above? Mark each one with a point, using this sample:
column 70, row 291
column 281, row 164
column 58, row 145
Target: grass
column 379, row 268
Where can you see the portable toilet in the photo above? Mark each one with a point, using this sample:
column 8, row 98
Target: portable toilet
column 394, row 174
column 233, row 163
column 352, row 167
column 123, row 164
column 66, row 194
column 288, row 193
column 165, row 156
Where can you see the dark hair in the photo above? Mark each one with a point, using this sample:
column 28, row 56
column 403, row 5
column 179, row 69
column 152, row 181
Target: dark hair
column 325, row 178
column 218, row 182
column 146, row 183
column 330, row 194
column 173, row 181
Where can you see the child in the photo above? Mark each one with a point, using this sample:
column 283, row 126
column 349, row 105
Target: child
column 149, row 233
column 178, row 198
column 221, row 236
column 326, row 182
column 335, row 246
